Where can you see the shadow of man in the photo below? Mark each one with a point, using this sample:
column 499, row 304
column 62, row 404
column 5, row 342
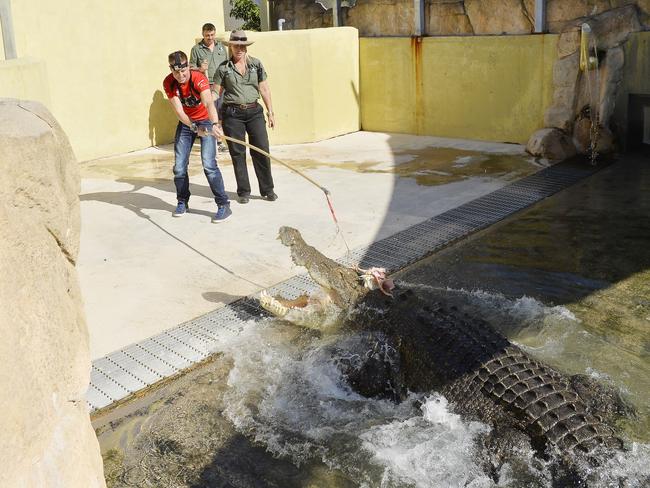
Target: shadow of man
column 162, row 121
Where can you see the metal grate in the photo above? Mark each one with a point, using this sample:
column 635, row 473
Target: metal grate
column 139, row 365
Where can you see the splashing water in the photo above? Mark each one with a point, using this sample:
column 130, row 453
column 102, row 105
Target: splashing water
column 286, row 393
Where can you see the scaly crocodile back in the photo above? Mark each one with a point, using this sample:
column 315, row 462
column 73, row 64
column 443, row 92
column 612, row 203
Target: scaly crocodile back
column 486, row 376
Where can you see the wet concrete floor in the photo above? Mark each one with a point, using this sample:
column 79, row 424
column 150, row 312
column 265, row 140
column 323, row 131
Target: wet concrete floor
column 163, row 271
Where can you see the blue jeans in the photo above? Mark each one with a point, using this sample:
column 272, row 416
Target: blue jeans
column 182, row 146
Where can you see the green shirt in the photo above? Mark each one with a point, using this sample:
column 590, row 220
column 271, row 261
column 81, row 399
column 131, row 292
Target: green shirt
column 215, row 57
column 238, row 89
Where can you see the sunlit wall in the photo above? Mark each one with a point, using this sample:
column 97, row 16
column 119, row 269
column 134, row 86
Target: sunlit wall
column 104, row 62
column 492, row 88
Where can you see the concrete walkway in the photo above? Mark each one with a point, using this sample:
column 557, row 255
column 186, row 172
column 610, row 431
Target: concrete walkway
column 143, row 271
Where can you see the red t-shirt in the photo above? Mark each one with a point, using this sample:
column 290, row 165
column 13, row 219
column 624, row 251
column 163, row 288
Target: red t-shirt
column 190, row 96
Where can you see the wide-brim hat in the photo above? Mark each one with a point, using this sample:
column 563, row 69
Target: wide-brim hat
column 238, row 38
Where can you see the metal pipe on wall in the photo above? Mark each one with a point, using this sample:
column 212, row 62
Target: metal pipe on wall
column 265, row 18
column 540, row 16
column 418, row 8
column 7, row 26
column 336, row 13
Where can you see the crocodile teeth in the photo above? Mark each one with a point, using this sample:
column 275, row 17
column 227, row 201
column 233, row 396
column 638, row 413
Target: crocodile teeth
column 271, row 305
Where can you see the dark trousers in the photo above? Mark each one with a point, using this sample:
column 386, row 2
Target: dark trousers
column 236, row 123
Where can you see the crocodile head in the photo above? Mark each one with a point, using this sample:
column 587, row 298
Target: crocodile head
column 342, row 287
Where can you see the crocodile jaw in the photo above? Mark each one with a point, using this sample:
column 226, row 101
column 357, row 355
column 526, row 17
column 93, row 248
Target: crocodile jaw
column 272, row 305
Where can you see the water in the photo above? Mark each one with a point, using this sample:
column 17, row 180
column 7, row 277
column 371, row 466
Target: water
column 568, row 281
column 291, row 398
column 585, row 250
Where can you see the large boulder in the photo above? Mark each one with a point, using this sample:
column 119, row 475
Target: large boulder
column 585, row 130
column 552, row 144
column 47, row 439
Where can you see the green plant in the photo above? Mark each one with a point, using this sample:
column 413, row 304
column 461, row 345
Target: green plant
column 247, row 11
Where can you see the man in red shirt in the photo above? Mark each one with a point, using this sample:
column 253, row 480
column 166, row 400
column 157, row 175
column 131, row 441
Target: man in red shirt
column 190, row 97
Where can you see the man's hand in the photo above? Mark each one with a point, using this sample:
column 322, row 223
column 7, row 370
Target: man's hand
column 204, row 65
column 217, row 131
column 271, row 120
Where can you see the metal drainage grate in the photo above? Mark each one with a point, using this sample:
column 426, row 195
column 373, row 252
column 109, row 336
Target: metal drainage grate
column 139, row 365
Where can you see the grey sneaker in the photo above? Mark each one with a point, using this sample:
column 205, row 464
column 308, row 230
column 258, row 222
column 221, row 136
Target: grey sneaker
column 181, row 209
column 223, row 212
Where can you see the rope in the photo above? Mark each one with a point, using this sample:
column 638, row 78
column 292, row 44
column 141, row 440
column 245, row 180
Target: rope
column 297, row 171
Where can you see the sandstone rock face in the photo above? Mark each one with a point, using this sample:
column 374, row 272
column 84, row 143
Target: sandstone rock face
column 568, row 43
column 576, row 93
column 613, row 27
column 565, row 76
column 611, row 76
column 498, row 17
column 47, row 439
column 382, row 17
column 583, row 134
column 448, row 17
column 552, row 144
column 561, row 12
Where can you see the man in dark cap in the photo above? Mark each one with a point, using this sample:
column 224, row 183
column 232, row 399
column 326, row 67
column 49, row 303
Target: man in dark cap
column 189, row 94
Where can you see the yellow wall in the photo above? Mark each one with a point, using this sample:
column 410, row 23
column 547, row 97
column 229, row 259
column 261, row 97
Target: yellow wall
column 492, row 88
column 105, row 62
column 102, row 78
column 25, row 78
column 314, row 80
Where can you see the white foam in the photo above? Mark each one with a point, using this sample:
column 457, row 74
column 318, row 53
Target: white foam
column 285, row 392
column 435, row 449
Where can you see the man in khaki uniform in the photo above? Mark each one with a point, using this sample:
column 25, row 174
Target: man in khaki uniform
column 205, row 57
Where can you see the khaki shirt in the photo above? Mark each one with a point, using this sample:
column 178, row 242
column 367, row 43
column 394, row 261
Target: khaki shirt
column 215, row 57
column 240, row 89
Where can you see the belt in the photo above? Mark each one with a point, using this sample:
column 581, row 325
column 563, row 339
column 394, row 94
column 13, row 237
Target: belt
column 242, row 106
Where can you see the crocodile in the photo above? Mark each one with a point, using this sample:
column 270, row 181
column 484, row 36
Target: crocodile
column 481, row 373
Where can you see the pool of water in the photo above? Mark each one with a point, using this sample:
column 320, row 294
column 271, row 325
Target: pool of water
column 566, row 280
column 584, row 251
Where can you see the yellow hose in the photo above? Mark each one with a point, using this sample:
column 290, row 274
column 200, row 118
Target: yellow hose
column 584, row 47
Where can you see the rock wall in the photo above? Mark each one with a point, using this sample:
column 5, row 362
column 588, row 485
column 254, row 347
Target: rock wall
column 447, row 17
column 47, row 439
column 581, row 114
